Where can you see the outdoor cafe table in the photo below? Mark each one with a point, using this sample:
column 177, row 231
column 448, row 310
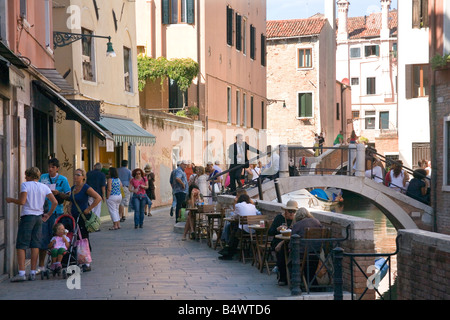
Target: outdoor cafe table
column 286, row 254
column 211, row 216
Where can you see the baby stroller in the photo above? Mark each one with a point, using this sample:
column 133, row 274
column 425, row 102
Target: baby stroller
column 69, row 257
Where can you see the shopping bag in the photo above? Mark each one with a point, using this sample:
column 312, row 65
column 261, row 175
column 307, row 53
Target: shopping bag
column 83, row 251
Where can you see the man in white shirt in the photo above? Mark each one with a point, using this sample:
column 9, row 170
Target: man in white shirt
column 272, row 168
column 32, row 198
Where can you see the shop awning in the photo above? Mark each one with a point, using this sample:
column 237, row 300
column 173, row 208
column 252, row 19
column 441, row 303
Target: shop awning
column 69, row 108
column 6, row 53
column 125, row 130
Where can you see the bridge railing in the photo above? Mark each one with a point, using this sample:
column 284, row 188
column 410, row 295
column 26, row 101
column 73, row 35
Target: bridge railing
column 335, row 161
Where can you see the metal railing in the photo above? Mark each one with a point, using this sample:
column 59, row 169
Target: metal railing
column 318, row 249
column 372, row 282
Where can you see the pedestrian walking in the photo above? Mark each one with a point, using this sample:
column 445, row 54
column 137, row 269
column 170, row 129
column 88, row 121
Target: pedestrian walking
column 172, row 184
column 138, row 187
column 114, row 197
column 150, row 175
column 125, row 177
column 57, row 184
column 32, row 197
column 181, row 188
column 97, row 180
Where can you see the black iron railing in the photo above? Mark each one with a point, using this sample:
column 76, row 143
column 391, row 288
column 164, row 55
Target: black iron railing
column 318, row 250
column 372, row 281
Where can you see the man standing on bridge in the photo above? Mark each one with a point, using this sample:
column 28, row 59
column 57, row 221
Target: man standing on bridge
column 238, row 155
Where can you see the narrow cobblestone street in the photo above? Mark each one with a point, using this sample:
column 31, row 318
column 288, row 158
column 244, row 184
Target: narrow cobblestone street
column 153, row 263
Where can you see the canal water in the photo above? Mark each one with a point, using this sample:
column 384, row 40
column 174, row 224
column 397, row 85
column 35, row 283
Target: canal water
column 384, row 231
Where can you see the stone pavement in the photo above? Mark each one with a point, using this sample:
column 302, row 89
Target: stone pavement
column 153, row 264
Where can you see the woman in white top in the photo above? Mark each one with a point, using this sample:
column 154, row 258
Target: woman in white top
column 245, row 207
column 375, row 172
column 31, row 198
column 399, row 177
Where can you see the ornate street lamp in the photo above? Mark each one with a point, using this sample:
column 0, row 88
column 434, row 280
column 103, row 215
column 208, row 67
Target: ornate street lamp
column 62, row 39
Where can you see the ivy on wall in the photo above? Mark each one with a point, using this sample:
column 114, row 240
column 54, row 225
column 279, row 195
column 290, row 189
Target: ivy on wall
column 182, row 70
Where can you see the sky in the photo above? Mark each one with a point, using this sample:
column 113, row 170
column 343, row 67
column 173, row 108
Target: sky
column 300, row 9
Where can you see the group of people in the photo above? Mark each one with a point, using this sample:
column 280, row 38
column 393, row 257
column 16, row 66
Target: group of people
column 45, row 197
column 397, row 178
column 294, row 217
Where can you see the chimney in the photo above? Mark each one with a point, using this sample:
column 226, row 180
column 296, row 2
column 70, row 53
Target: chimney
column 343, row 20
column 385, row 6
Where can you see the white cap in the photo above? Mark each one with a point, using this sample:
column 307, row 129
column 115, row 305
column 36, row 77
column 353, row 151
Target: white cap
column 185, row 162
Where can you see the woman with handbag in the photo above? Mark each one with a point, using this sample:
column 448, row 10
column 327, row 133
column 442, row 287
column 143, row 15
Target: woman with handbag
column 139, row 198
column 80, row 205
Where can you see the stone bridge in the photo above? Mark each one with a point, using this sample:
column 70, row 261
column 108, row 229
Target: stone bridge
column 403, row 211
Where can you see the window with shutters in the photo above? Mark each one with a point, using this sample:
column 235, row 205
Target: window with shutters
column 304, row 58
column 420, row 81
column 244, row 35
column 127, row 69
column 420, row 18
column 238, row 107
column 369, row 117
column 263, row 119
column 178, row 11
column 373, row 50
column 238, row 32
column 263, row 50
column 305, row 105
column 355, row 52
column 229, row 105
column 384, row 120
column 230, row 17
column 88, row 56
column 252, row 42
column 371, row 86
column 251, row 112
column 244, row 111
column 446, row 154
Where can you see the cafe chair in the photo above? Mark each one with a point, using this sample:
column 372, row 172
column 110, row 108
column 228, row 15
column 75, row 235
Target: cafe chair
column 313, row 268
column 256, row 237
column 244, row 239
column 265, row 250
column 216, row 227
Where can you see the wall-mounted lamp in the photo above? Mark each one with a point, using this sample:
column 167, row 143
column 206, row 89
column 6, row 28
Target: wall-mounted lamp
column 62, row 39
column 269, row 102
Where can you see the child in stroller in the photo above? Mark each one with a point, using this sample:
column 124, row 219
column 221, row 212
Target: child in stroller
column 66, row 256
column 58, row 246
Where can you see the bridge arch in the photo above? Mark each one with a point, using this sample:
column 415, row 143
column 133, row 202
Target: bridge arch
column 403, row 211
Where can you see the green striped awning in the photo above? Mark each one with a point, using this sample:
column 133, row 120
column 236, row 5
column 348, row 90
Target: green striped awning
column 125, row 130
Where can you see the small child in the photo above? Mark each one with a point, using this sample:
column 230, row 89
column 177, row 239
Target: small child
column 58, row 245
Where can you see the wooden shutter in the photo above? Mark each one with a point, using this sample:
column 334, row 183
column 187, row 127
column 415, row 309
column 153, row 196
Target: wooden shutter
column 230, row 13
column 190, row 7
column 252, row 42
column 409, row 81
column 165, row 12
column 238, row 31
column 305, row 105
column 424, row 14
column 263, row 50
column 416, row 14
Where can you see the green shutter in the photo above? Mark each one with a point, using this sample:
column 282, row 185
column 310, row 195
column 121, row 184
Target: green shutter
column 309, row 110
column 305, row 105
column 190, row 11
column 238, row 31
column 165, row 12
column 230, row 13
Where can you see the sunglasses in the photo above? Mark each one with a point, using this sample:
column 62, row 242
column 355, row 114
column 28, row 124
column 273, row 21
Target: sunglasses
column 78, row 174
column 291, row 211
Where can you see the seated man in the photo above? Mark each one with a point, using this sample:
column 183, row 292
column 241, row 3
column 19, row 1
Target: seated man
column 244, row 207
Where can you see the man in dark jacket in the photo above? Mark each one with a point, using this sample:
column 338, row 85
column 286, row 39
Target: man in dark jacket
column 238, row 155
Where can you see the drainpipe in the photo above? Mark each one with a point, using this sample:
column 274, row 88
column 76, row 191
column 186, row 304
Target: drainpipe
column 433, row 122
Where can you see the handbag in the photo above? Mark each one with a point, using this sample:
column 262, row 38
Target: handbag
column 83, row 251
column 92, row 222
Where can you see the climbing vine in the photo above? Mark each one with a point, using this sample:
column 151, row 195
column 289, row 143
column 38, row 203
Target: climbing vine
column 182, row 71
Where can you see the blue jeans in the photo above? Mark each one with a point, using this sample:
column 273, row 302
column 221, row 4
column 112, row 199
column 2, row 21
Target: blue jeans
column 139, row 206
